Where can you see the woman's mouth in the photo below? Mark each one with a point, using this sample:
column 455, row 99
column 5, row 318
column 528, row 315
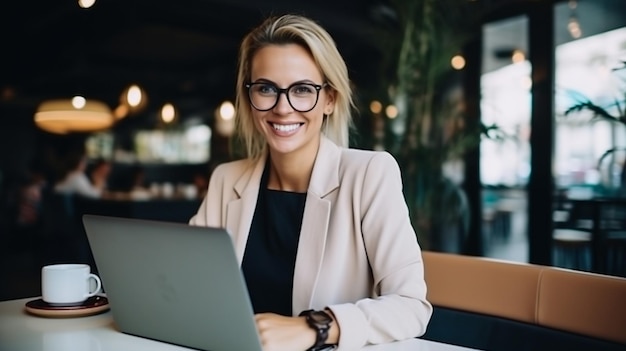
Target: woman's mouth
column 286, row 128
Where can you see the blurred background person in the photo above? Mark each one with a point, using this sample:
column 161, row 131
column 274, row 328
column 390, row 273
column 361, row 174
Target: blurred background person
column 99, row 173
column 138, row 187
column 74, row 180
column 29, row 200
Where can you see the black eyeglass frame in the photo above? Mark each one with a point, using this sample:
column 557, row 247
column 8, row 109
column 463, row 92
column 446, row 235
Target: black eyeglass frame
column 317, row 87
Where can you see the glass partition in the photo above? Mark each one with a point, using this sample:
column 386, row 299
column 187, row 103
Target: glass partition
column 587, row 70
column 505, row 164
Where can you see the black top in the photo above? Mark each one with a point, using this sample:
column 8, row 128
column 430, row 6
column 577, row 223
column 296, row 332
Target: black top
column 270, row 255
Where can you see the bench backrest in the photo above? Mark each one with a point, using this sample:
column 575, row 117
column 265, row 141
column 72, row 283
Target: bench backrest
column 578, row 302
column 584, row 303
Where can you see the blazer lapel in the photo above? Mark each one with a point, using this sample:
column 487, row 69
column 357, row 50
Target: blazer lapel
column 324, row 179
column 240, row 212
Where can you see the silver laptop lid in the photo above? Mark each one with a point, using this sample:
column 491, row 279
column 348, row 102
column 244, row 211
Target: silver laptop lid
column 173, row 282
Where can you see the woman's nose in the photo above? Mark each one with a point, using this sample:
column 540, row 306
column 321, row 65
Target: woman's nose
column 283, row 105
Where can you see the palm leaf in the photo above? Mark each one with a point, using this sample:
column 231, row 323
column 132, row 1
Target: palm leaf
column 599, row 112
column 608, row 153
column 588, row 105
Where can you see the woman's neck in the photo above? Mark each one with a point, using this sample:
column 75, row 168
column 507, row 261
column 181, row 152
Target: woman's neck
column 290, row 172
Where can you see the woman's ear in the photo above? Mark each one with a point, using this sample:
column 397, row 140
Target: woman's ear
column 329, row 107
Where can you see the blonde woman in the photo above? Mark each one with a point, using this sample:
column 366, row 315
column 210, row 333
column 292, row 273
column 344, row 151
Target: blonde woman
column 322, row 231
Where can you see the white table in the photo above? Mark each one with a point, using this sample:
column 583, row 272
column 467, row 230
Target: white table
column 20, row 331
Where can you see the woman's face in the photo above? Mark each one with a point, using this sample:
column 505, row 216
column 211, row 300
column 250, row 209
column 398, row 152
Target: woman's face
column 285, row 129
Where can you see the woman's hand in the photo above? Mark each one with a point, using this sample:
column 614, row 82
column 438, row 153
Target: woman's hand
column 280, row 333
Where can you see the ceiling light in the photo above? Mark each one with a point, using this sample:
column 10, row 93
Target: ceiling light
column 573, row 26
column 134, row 97
column 120, row 111
column 227, row 110
column 225, row 118
column 78, row 102
column 73, row 115
column 86, row 3
column 168, row 113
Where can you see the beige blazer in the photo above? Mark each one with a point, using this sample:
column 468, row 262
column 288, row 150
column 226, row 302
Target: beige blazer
column 358, row 254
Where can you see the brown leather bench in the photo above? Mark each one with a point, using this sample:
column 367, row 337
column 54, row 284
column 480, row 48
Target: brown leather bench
column 493, row 304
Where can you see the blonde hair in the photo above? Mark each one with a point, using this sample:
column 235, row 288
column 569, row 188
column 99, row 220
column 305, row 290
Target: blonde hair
column 294, row 29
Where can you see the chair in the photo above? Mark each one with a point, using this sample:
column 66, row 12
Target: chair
column 616, row 253
column 572, row 248
column 571, row 237
column 613, row 228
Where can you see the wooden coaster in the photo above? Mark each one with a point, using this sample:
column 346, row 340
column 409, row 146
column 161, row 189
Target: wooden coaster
column 91, row 306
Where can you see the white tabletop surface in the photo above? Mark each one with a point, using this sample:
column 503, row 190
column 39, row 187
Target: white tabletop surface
column 20, row 331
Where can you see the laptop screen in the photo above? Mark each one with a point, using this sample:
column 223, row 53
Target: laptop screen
column 173, row 282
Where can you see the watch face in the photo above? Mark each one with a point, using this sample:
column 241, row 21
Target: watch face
column 321, row 317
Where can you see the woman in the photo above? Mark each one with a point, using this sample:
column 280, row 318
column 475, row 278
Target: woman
column 99, row 173
column 75, row 180
column 322, row 231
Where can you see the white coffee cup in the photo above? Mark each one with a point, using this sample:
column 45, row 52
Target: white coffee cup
column 68, row 283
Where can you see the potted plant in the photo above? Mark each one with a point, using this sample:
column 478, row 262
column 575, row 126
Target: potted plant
column 430, row 131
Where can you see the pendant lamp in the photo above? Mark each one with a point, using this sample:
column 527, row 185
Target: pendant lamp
column 73, row 115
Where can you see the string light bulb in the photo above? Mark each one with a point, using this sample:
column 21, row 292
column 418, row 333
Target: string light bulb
column 391, row 111
column 376, row 106
column 458, row 62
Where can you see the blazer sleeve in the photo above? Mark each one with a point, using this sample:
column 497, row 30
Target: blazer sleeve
column 210, row 211
column 399, row 310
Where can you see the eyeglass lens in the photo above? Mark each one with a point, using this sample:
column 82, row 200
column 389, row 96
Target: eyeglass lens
column 301, row 96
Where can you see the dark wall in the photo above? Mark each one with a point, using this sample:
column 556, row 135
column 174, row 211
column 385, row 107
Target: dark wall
column 19, row 141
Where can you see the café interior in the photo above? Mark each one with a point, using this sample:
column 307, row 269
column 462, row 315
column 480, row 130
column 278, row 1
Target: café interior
column 156, row 82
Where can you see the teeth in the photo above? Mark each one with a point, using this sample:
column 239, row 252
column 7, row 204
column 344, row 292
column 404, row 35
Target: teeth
column 285, row 127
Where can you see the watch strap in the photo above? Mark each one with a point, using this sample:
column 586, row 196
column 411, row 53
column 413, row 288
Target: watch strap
column 321, row 329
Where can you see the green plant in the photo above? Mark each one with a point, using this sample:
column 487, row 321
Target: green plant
column 605, row 113
column 430, row 130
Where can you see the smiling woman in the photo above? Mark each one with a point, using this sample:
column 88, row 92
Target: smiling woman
column 291, row 124
column 322, row 232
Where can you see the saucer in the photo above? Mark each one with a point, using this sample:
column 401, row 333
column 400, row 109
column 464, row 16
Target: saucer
column 91, row 306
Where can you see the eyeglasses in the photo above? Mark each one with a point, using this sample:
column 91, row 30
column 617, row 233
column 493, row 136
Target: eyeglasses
column 302, row 97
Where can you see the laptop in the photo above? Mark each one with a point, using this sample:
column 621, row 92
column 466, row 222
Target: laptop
column 173, row 282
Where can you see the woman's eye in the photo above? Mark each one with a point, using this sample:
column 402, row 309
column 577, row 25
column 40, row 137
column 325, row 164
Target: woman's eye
column 266, row 89
column 303, row 89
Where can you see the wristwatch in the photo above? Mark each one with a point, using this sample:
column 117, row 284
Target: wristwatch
column 320, row 322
